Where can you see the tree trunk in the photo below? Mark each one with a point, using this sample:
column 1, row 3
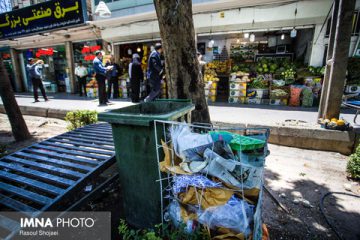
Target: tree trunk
column 182, row 67
column 18, row 125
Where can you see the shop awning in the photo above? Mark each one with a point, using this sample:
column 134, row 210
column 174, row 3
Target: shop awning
column 238, row 16
column 76, row 34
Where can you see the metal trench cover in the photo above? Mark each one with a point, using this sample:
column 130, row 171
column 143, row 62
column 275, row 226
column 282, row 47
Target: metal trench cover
column 42, row 176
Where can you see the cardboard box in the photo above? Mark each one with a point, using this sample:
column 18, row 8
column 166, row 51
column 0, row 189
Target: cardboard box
column 258, row 101
column 254, row 101
column 237, row 86
column 279, row 102
column 234, row 100
column 237, row 93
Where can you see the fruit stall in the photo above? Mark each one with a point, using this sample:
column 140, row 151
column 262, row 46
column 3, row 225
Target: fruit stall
column 253, row 76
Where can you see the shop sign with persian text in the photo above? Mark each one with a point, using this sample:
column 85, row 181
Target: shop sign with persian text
column 42, row 17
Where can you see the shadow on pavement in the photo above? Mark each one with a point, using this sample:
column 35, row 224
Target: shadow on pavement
column 307, row 222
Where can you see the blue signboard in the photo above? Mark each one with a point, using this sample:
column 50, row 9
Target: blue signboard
column 42, row 17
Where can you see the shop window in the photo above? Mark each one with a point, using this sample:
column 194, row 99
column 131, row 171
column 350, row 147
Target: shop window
column 85, row 52
column 55, row 77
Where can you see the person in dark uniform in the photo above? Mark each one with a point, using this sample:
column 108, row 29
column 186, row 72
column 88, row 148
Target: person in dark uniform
column 113, row 78
column 154, row 72
column 101, row 71
column 34, row 70
column 137, row 75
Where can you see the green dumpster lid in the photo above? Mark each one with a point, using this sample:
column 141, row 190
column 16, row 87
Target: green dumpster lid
column 144, row 114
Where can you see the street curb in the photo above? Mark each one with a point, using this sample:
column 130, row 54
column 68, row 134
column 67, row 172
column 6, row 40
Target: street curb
column 300, row 137
column 40, row 112
column 57, row 113
column 306, row 138
column 34, row 111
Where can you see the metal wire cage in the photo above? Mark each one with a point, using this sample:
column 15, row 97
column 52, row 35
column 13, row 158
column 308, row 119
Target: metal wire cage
column 250, row 157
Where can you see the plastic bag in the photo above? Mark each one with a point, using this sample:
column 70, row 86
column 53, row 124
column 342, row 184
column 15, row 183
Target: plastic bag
column 308, row 97
column 197, row 154
column 173, row 214
column 182, row 182
column 232, row 172
column 235, row 215
column 295, row 92
column 184, row 139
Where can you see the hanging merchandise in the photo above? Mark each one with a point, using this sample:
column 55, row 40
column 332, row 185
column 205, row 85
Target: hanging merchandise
column 293, row 32
column 252, row 37
column 211, row 43
column 44, row 52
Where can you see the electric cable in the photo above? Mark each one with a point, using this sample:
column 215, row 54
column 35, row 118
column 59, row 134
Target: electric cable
column 323, row 213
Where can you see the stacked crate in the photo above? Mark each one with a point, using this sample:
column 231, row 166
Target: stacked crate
column 237, row 87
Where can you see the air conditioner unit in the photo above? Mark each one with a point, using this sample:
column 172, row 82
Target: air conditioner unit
column 352, row 89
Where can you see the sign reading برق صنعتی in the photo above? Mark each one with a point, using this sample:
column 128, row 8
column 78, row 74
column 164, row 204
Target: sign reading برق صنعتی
column 42, row 17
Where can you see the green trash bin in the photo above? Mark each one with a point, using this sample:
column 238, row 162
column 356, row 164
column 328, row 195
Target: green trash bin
column 134, row 139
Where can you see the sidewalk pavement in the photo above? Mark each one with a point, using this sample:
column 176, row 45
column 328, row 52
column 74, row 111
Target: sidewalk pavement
column 219, row 112
column 303, row 132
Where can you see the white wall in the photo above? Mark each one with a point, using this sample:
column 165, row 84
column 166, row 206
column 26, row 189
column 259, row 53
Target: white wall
column 318, row 48
column 265, row 17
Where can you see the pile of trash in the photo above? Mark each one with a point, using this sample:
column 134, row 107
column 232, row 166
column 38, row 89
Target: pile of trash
column 215, row 180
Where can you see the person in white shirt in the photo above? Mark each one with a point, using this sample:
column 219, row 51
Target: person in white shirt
column 81, row 73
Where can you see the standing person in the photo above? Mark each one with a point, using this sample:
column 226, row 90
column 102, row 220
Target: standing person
column 81, row 73
column 113, row 78
column 154, row 72
column 100, row 72
column 137, row 75
column 35, row 70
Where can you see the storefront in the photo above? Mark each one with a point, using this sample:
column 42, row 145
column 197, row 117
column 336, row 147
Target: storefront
column 261, row 67
column 53, row 36
column 54, row 71
column 143, row 49
column 251, row 47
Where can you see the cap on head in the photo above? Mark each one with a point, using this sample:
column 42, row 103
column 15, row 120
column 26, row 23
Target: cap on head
column 80, row 62
column 30, row 59
column 158, row 46
column 97, row 53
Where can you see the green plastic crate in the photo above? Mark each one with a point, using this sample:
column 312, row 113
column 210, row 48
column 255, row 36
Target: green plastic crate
column 241, row 143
